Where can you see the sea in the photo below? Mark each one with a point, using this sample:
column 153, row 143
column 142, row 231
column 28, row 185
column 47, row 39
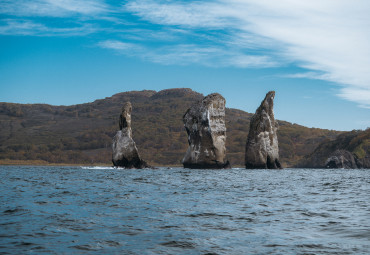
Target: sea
column 103, row 210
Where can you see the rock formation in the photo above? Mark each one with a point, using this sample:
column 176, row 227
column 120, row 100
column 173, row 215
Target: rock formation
column 125, row 153
column 341, row 159
column 363, row 162
column 262, row 149
column 205, row 125
column 348, row 150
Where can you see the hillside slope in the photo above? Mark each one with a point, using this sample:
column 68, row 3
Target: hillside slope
column 83, row 133
column 356, row 142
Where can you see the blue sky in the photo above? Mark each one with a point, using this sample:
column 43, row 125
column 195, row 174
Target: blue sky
column 314, row 54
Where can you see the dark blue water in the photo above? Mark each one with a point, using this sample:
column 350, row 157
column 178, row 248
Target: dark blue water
column 64, row 210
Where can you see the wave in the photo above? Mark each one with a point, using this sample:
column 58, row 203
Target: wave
column 98, row 167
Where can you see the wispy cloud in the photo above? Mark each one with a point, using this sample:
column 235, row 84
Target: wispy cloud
column 307, row 75
column 330, row 39
column 52, row 8
column 185, row 54
column 50, row 17
column 27, row 27
column 197, row 14
column 326, row 36
column 356, row 94
column 119, row 46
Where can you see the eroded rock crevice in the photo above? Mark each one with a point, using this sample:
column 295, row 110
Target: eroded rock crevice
column 205, row 125
column 262, row 148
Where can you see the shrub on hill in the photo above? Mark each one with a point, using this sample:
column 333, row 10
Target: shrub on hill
column 83, row 133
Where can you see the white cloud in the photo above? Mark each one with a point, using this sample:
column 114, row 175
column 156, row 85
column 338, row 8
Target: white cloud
column 51, row 8
column 119, row 46
column 331, row 37
column 244, row 61
column 307, row 75
column 328, row 38
column 25, row 17
column 20, row 27
column 185, row 54
column 27, row 27
column 359, row 95
column 195, row 14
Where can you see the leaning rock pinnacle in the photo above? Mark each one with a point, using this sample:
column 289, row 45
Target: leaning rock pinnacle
column 125, row 153
column 262, row 149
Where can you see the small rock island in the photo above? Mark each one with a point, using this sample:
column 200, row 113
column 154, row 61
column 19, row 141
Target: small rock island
column 341, row 159
column 205, row 125
column 262, row 149
column 125, row 153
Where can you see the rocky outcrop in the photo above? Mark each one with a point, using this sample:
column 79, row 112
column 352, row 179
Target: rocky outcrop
column 348, row 150
column 205, row 125
column 262, row 149
column 125, row 153
column 341, row 159
column 363, row 162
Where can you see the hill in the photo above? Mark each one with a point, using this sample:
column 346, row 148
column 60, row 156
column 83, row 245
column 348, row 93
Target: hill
column 356, row 142
column 83, row 133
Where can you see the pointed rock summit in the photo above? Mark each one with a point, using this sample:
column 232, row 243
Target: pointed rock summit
column 125, row 153
column 262, row 149
column 205, row 125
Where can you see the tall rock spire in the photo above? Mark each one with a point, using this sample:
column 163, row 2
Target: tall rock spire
column 125, row 153
column 262, row 149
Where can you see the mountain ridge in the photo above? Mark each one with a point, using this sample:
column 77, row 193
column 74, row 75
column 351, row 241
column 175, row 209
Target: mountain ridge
column 83, row 133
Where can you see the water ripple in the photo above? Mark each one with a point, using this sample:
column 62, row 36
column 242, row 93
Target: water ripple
column 102, row 210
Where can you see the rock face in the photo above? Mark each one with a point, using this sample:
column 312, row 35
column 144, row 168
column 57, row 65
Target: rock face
column 348, row 150
column 341, row 159
column 363, row 162
column 205, row 125
column 125, row 153
column 262, row 149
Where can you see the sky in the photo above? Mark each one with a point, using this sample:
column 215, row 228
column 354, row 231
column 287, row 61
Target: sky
column 315, row 54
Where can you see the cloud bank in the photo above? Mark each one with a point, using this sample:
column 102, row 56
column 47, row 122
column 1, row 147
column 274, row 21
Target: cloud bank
column 331, row 37
column 328, row 38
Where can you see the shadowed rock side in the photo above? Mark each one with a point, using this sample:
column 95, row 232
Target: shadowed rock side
column 262, row 149
column 125, row 153
column 349, row 150
column 341, row 159
column 205, row 125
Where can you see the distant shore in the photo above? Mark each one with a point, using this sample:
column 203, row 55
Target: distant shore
column 8, row 162
column 45, row 163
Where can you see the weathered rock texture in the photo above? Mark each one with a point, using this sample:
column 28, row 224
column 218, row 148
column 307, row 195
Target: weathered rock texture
column 348, row 150
column 341, row 159
column 205, row 125
column 262, row 149
column 125, row 153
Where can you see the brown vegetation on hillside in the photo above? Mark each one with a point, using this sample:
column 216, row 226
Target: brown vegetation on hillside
column 356, row 142
column 83, row 133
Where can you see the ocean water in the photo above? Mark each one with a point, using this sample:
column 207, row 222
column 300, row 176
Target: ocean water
column 79, row 210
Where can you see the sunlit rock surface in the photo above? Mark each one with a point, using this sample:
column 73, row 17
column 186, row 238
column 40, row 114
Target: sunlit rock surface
column 262, row 149
column 205, row 125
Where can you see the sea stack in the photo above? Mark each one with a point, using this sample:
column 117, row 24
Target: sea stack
column 262, row 149
column 125, row 153
column 205, row 125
